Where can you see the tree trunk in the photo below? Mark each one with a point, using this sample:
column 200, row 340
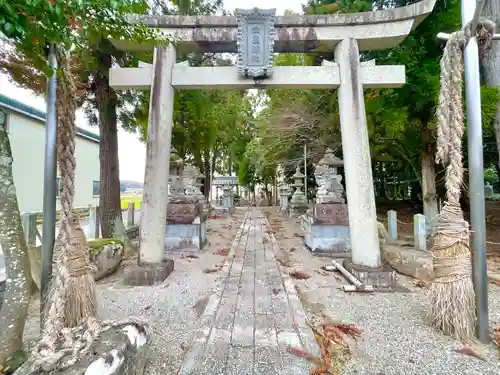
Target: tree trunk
column 429, row 195
column 208, row 174
column 212, row 169
column 106, row 103
column 491, row 64
column 14, row 308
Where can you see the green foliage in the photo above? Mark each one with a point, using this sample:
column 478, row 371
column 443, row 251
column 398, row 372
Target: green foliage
column 490, row 175
column 401, row 122
column 72, row 24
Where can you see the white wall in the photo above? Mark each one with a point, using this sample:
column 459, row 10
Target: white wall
column 27, row 140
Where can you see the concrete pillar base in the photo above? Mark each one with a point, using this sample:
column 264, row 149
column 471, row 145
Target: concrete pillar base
column 147, row 274
column 382, row 279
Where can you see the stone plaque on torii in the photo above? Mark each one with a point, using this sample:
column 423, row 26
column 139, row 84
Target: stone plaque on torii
column 255, row 42
column 345, row 34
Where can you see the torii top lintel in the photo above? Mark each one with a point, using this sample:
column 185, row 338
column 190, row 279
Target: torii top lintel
column 376, row 30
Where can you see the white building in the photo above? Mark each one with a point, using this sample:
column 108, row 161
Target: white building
column 26, row 127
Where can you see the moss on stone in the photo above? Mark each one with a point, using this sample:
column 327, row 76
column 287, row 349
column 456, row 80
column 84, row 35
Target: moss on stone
column 99, row 243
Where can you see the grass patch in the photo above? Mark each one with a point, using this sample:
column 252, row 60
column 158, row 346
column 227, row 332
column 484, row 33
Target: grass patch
column 13, row 363
column 131, row 198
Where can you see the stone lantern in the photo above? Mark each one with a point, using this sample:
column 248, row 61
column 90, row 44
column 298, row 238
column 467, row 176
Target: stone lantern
column 298, row 202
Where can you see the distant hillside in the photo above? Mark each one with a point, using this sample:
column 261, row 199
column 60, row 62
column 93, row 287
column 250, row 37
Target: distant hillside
column 124, row 185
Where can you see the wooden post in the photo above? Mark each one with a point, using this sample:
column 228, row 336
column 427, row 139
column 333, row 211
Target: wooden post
column 420, row 232
column 130, row 214
column 392, row 225
column 93, row 222
column 29, row 226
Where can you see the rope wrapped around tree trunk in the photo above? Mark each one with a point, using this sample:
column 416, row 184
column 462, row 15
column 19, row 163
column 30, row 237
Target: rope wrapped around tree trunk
column 71, row 300
column 453, row 307
column 71, row 326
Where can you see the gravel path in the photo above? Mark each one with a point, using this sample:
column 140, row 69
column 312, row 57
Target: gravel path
column 396, row 339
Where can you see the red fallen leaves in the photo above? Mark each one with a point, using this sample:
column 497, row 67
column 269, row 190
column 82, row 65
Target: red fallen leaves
column 306, row 355
column 224, row 251
column 496, row 337
column 421, row 284
column 468, row 351
column 275, row 291
column 215, row 217
column 299, row 275
column 494, row 281
column 331, row 335
column 213, row 269
column 338, row 332
column 189, row 256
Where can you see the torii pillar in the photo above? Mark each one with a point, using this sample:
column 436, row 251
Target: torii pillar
column 152, row 265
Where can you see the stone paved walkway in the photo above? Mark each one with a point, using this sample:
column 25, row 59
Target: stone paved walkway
column 248, row 325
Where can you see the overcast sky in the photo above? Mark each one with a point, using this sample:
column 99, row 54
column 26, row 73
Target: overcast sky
column 132, row 152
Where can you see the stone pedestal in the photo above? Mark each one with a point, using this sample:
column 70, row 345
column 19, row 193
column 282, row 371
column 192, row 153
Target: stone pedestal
column 147, row 274
column 383, row 279
column 186, row 225
column 326, row 230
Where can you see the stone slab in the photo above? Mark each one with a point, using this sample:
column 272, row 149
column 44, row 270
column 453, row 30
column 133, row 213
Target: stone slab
column 117, row 351
column 190, row 236
column 409, row 261
column 332, row 240
column 148, row 274
column 183, row 210
column 331, row 214
column 382, row 279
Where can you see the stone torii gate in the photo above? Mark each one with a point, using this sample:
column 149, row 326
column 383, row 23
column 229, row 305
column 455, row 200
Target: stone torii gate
column 346, row 34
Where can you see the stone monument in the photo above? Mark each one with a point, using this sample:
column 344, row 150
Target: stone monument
column 298, row 203
column 488, row 190
column 186, row 220
column 326, row 227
